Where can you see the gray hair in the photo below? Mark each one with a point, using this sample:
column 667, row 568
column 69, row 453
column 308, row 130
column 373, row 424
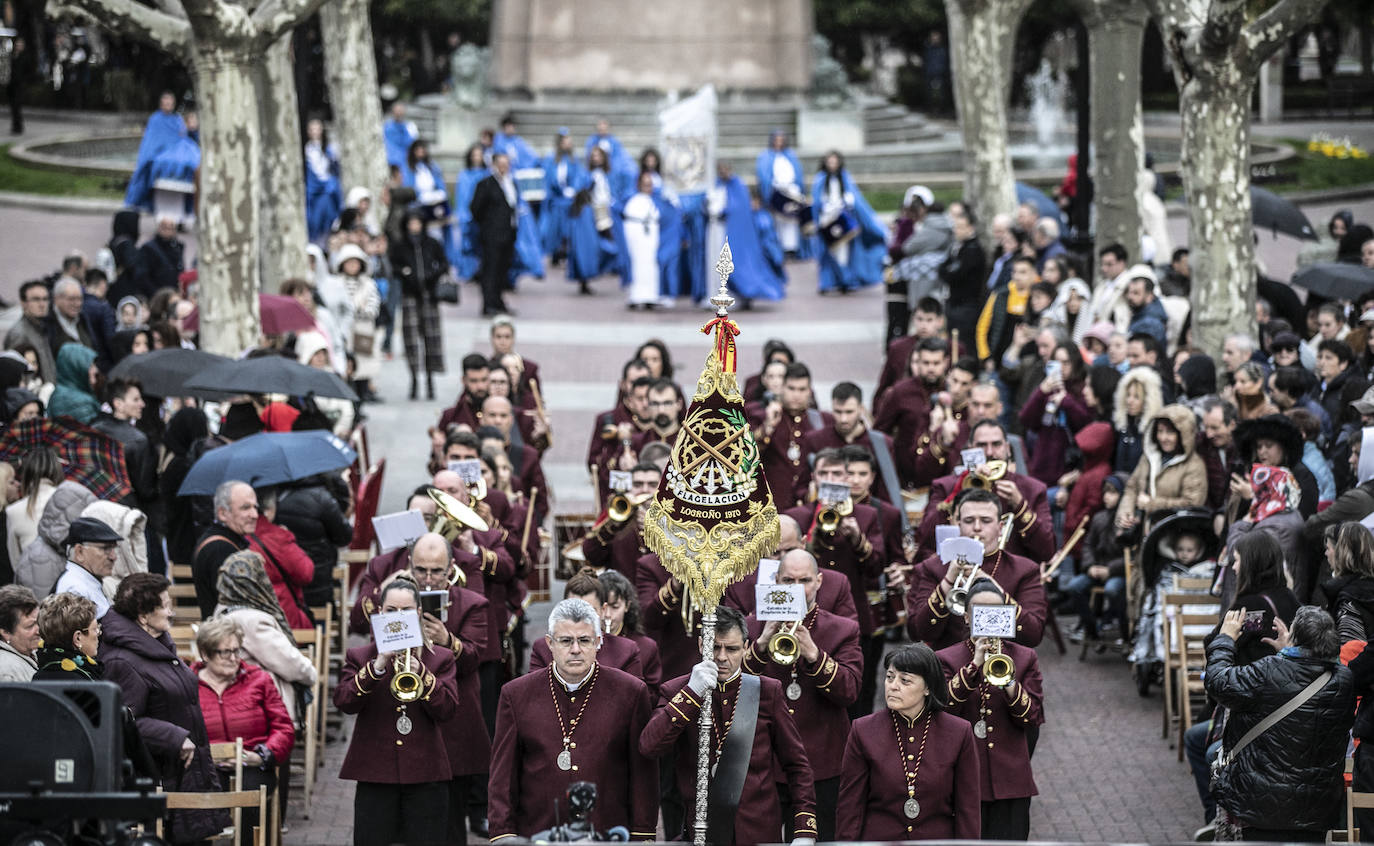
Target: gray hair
column 1047, row 226
column 1241, row 340
column 224, row 494
column 574, row 611
column 66, row 283
column 214, row 631
column 1314, row 630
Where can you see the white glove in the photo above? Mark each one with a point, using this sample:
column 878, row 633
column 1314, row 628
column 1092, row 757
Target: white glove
column 703, row 677
column 803, row 841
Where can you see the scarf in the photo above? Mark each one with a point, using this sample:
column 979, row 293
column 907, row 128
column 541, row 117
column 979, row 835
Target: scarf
column 1275, row 492
column 61, row 659
column 243, row 583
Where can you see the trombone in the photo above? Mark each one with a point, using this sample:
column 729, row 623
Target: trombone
column 405, row 682
column 784, row 648
column 997, row 666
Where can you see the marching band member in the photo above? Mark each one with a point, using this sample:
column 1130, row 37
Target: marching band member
column 820, row 675
column 613, row 651
column 904, row 411
column 402, row 791
column 620, row 616
column 779, row 434
column 1000, row 712
column 1023, row 496
column 574, row 721
column 468, row 407
column 947, row 431
column 861, row 473
column 612, row 435
column 856, row 549
column 834, row 594
column 847, row 429
column 978, row 514
column 742, row 705
column 619, row 544
column 911, row 770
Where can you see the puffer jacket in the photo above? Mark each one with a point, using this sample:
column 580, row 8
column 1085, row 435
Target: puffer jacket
column 1095, row 442
column 288, row 568
column 313, row 515
column 1172, row 483
column 269, row 648
column 1130, row 438
column 1291, row 777
column 130, row 523
column 43, row 561
column 250, row 708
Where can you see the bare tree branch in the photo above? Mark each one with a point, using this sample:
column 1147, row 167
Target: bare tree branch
column 275, row 17
column 132, row 19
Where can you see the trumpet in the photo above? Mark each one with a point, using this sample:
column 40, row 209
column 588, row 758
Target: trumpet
column 957, row 598
column 828, row 520
column 784, row 648
column 405, row 682
column 621, row 507
column 997, row 667
column 995, row 470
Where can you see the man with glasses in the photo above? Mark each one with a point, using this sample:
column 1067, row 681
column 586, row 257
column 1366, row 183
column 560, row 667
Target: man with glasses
column 573, row 721
column 820, row 683
column 91, row 553
column 32, row 327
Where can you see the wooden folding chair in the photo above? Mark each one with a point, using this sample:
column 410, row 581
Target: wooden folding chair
column 1353, row 799
column 234, row 800
column 1190, row 615
column 313, row 643
column 184, row 639
column 184, row 602
column 180, row 573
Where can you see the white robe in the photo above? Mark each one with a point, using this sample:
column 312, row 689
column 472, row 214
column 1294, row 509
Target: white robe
column 787, row 227
column 641, row 240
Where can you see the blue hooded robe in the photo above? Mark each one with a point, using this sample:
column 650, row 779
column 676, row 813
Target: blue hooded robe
column 590, row 254
column 323, row 196
column 558, row 198
column 398, row 135
column 808, row 246
column 161, row 132
column 754, row 278
column 866, row 250
column 468, row 257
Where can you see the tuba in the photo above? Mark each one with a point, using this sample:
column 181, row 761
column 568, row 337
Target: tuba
column 985, row 481
column 828, row 520
column 997, row 667
column 405, row 682
column 453, row 516
column 783, row 648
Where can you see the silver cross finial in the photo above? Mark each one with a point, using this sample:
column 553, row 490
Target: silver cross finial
column 725, row 265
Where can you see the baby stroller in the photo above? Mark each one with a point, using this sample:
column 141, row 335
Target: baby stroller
column 1158, row 567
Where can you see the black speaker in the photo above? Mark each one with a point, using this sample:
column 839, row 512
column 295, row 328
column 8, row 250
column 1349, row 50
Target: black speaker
column 63, row 737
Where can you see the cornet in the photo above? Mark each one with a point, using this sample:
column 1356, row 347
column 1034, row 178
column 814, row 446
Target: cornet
column 405, row 683
column 997, row 667
column 829, row 518
column 784, row 647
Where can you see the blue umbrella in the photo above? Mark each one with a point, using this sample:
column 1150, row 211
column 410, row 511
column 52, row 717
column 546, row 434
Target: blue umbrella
column 1043, row 203
column 268, row 458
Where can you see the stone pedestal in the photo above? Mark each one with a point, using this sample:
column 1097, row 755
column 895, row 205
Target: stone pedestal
column 542, row 47
column 829, row 129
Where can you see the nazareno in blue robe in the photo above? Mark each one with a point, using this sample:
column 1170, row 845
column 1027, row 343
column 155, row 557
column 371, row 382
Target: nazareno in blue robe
column 323, row 196
column 161, row 132
column 590, row 254
column 866, row 250
column 467, row 256
column 554, row 225
column 692, row 262
column 754, row 278
column 669, row 244
column 808, row 246
column 398, row 136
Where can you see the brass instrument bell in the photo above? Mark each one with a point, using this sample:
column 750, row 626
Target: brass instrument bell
column 405, row 682
column 957, row 598
column 995, row 470
column 997, row 667
column 452, row 516
column 621, row 507
column 828, row 520
column 784, row 647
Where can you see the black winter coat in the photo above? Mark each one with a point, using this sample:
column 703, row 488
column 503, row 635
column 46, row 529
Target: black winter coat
column 419, row 264
column 314, row 516
column 139, row 460
column 1292, row 776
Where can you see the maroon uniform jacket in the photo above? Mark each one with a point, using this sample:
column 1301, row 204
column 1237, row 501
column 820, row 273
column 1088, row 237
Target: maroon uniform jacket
column 905, row 415
column 465, row 736
column 525, row 778
column 1003, row 756
column 527, row 473
column 387, row 563
column 828, row 686
column 827, row 438
column 660, row 608
column 598, row 446
column 784, row 457
column 377, row 752
column 1032, row 534
column 615, row 546
column 618, row 653
column 778, row 755
column 873, row 785
column 649, row 661
column 932, row 461
column 890, row 522
column 929, row 620
column 834, row 595
column 837, row 553
column 466, row 410
column 896, row 367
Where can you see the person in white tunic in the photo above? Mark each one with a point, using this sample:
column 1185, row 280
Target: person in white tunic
column 642, row 221
column 92, row 549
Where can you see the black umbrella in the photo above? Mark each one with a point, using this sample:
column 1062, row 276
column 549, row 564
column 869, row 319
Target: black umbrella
column 163, row 373
column 1336, row 280
column 1270, row 211
column 270, row 374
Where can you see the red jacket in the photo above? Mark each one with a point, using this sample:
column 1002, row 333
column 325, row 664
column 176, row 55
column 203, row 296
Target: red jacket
column 287, row 565
column 1097, row 442
column 250, row 708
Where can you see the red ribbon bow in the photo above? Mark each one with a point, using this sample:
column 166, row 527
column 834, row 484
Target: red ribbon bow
column 726, row 330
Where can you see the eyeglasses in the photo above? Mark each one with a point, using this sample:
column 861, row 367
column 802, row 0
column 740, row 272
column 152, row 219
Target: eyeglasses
column 567, row 642
column 226, row 653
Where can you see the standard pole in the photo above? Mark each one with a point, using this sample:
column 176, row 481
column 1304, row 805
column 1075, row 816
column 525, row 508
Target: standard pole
column 708, row 647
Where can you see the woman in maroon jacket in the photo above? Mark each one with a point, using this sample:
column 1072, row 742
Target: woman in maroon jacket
column 240, row 700
column 910, row 771
column 1053, row 412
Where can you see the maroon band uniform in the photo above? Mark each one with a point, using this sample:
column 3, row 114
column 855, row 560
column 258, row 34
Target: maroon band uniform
column 619, row 653
column 833, row 595
column 1032, row 534
column 928, row 618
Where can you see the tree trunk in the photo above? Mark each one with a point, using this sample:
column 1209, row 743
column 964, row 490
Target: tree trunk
column 982, row 36
column 351, row 71
column 230, row 196
column 283, row 171
column 1116, row 30
column 1215, row 165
